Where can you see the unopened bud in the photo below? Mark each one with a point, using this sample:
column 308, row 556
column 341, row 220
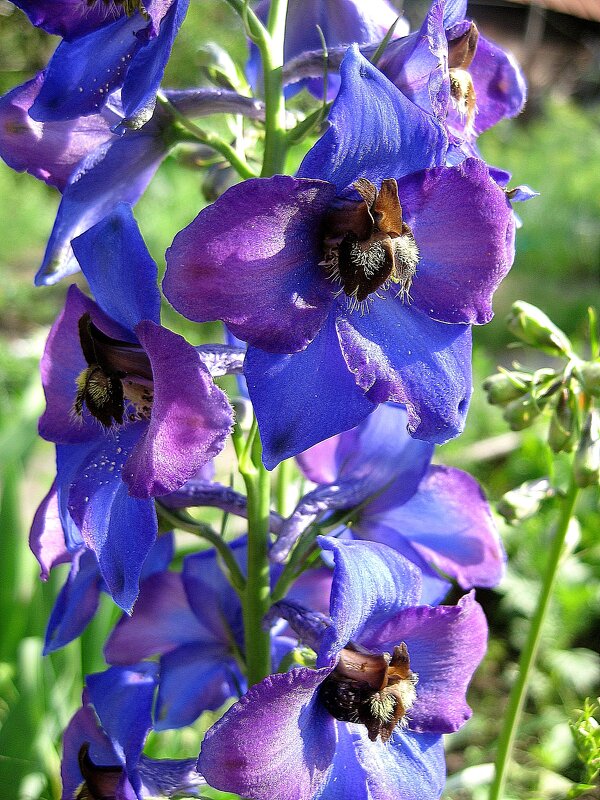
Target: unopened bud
column 524, row 501
column 218, row 178
column 586, row 465
column 529, row 324
column 589, row 377
column 521, row 413
column 503, row 387
column 563, row 425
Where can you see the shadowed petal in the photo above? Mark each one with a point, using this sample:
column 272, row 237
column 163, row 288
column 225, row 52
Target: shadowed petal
column 251, row 259
column 277, row 741
column 190, row 420
column 67, row 18
column 47, row 538
column 303, row 398
column 118, row 267
column 445, row 644
column 464, row 228
column 396, row 353
column 390, row 136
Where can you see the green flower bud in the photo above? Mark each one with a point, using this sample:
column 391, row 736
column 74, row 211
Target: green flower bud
column 586, row 465
column 563, row 425
column 521, row 413
column 503, row 387
column 529, row 324
column 589, row 377
column 524, row 501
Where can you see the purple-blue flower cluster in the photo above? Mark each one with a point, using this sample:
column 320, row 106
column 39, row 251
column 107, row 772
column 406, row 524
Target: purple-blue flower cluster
column 347, row 293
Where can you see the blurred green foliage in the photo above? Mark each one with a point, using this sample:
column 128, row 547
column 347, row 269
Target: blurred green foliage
column 557, row 268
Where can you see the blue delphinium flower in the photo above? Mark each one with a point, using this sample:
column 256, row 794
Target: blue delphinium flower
column 130, row 403
column 103, row 743
column 344, row 279
column 433, row 515
column 105, row 47
column 342, row 22
column 193, row 621
column 368, row 722
column 92, row 167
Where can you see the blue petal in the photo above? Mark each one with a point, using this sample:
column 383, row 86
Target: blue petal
column 389, row 137
column 370, row 583
column 76, row 603
column 118, row 171
column 397, row 353
column 147, row 68
column 123, row 698
column 160, row 556
column 195, row 678
column 454, row 12
column 410, row 766
column 303, row 398
column 118, row 267
column 69, row 459
column 120, row 529
column 81, row 74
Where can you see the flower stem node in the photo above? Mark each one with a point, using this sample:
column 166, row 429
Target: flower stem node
column 529, row 324
column 375, row 690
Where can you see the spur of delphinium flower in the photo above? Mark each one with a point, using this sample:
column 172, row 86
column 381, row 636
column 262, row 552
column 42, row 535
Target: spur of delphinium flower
column 132, row 403
column 342, row 22
column 103, row 743
column 93, row 168
column 432, row 514
column 54, row 542
column 391, row 678
column 193, row 621
column 344, row 280
column 106, row 46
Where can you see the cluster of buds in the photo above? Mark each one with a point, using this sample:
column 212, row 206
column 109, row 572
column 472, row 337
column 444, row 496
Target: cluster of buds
column 568, row 394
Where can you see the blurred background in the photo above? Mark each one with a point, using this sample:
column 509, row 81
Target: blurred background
column 554, row 147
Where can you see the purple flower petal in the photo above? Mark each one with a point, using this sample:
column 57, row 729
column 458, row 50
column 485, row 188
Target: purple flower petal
column 454, row 12
column 76, row 603
column 277, row 741
column 303, row 398
column 62, row 362
column 190, row 418
column 47, row 538
column 162, row 620
column 122, row 699
column 448, row 521
column 397, row 353
column 319, row 463
column 49, row 151
column 251, row 259
column 445, row 645
column 193, row 679
column 461, row 265
column 370, row 582
column 121, row 274
column 390, row 137
column 117, row 171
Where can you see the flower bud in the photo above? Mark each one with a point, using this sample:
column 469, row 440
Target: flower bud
column 586, row 465
column 521, row 413
column 218, row 178
column 503, row 387
column 563, row 425
column 529, row 324
column 524, row 501
column 589, row 377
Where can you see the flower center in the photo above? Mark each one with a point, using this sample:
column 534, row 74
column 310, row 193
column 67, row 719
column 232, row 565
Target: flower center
column 367, row 244
column 117, row 383
column 461, row 52
column 375, row 690
column 100, row 783
column 129, row 7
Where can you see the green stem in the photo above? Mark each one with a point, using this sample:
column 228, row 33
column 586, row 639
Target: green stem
column 518, row 693
column 257, row 596
column 232, row 571
column 284, row 475
column 272, row 63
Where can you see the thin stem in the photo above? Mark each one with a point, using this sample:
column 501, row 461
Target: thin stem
column 518, row 693
column 233, row 572
column 257, row 596
column 191, row 132
column 284, row 475
column 272, row 64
